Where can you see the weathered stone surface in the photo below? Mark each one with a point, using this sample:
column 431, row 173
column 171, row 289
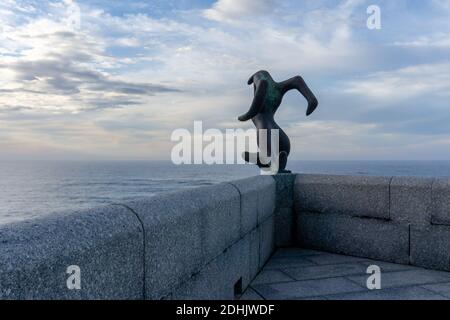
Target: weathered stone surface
column 411, row 200
column 341, row 269
column 405, row 278
column 257, row 200
column 284, row 227
column 287, row 262
column 326, row 271
column 173, row 240
column 440, row 203
column 250, row 295
column 184, row 231
column 346, row 281
column 410, row 293
column 430, row 247
column 253, row 241
column 440, row 288
column 295, row 252
column 330, row 258
column 362, row 237
column 106, row 243
column 272, row 276
column 220, row 205
column 266, row 198
column 249, row 190
column 267, row 244
column 306, row 289
column 216, row 280
column 387, row 266
column 351, row 195
column 284, row 190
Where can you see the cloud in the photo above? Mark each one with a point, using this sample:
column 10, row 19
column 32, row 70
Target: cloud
column 131, row 74
column 440, row 40
column 443, row 4
column 404, row 83
column 229, row 10
column 50, row 66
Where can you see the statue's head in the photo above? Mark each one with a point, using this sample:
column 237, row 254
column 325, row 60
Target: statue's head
column 260, row 75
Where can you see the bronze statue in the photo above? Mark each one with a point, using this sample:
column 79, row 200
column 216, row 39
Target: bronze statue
column 268, row 97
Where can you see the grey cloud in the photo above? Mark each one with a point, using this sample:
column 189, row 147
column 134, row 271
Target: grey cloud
column 68, row 70
column 67, row 78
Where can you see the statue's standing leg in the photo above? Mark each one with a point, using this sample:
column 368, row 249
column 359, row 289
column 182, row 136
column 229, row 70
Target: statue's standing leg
column 285, row 149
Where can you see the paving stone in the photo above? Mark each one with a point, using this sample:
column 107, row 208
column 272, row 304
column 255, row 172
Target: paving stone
column 296, row 252
column 271, row 276
column 330, row 258
column 345, row 269
column 305, row 289
column 350, row 195
column 250, row 295
column 346, row 281
column 288, row 262
column 410, row 293
column 405, row 278
column 440, row 288
column 387, row 266
column 327, row 271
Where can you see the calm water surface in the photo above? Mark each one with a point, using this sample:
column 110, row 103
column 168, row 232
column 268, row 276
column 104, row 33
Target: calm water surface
column 31, row 189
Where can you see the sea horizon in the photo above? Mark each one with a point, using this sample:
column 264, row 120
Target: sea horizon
column 34, row 188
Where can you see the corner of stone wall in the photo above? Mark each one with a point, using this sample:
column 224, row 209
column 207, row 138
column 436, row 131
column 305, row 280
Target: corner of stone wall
column 284, row 210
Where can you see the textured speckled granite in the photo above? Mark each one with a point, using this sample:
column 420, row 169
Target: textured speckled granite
column 284, row 212
column 199, row 243
column 285, row 189
column 217, row 279
column 351, row 195
column 411, row 200
column 326, row 276
column 249, row 190
column 368, row 238
column 440, row 203
column 267, row 237
column 184, row 231
column 430, row 247
column 266, row 198
column 106, row 243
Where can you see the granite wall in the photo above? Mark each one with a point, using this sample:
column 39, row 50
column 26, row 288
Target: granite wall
column 210, row 242
column 398, row 219
column 203, row 243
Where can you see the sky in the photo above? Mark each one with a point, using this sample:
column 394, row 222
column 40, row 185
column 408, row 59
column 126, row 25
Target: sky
column 116, row 80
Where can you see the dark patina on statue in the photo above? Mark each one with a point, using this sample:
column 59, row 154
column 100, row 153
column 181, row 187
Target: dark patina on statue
column 268, row 97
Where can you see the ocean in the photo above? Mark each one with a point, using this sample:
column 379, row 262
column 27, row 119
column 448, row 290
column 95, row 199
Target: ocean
column 31, row 189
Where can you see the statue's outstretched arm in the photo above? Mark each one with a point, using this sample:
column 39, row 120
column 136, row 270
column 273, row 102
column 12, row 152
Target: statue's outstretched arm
column 258, row 101
column 299, row 84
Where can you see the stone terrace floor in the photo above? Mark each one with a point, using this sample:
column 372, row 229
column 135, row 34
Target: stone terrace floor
column 299, row 274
